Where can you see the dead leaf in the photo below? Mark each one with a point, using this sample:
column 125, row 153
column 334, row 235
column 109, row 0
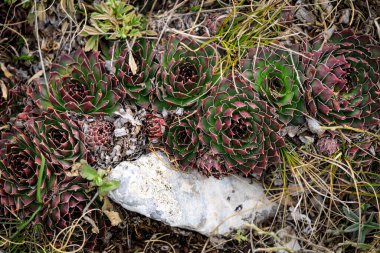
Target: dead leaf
column 305, row 16
column 68, row 5
column 326, row 6
column 150, row 33
column 89, row 30
column 5, row 70
column 74, row 172
column 64, row 27
column 5, row 127
column 132, row 64
column 41, row 12
column 35, row 76
column 112, row 215
column 4, row 90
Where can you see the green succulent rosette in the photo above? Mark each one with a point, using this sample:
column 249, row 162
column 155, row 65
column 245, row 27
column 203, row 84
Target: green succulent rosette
column 182, row 141
column 342, row 80
column 58, row 138
column 136, row 72
column 187, row 73
column 239, row 127
column 275, row 76
column 79, row 84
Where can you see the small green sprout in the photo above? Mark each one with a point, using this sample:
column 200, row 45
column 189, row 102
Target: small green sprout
column 97, row 177
column 360, row 228
column 114, row 19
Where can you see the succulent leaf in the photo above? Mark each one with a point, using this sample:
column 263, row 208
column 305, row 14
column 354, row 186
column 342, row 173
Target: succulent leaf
column 98, row 135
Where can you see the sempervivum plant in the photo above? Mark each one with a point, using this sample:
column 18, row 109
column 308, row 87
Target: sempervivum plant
column 240, row 127
column 342, row 85
column 68, row 206
column 187, row 73
column 22, row 183
column 58, row 138
column 154, row 127
column 98, row 135
column 274, row 74
column 79, row 84
column 137, row 80
column 182, row 141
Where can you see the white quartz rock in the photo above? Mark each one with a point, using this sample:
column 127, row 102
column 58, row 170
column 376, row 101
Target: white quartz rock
column 192, row 201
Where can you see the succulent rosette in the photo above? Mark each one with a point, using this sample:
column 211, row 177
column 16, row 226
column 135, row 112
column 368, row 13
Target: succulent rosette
column 187, row 73
column 67, row 206
column 240, row 128
column 182, row 141
column 21, row 178
column 342, row 80
column 98, row 134
column 154, row 127
column 58, row 138
column 327, row 146
column 79, row 84
column 274, row 74
column 138, row 83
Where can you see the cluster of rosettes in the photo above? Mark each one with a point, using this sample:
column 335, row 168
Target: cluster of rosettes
column 218, row 124
column 59, row 120
column 36, row 184
column 235, row 128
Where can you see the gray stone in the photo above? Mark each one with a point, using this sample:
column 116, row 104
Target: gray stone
column 314, row 126
column 192, row 201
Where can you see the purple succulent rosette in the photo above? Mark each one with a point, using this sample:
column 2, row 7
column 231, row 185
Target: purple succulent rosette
column 66, row 206
column 98, row 135
column 154, row 127
column 58, row 138
column 20, row 173
column 240, row 128
column 343, row 80
column 79, row 84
